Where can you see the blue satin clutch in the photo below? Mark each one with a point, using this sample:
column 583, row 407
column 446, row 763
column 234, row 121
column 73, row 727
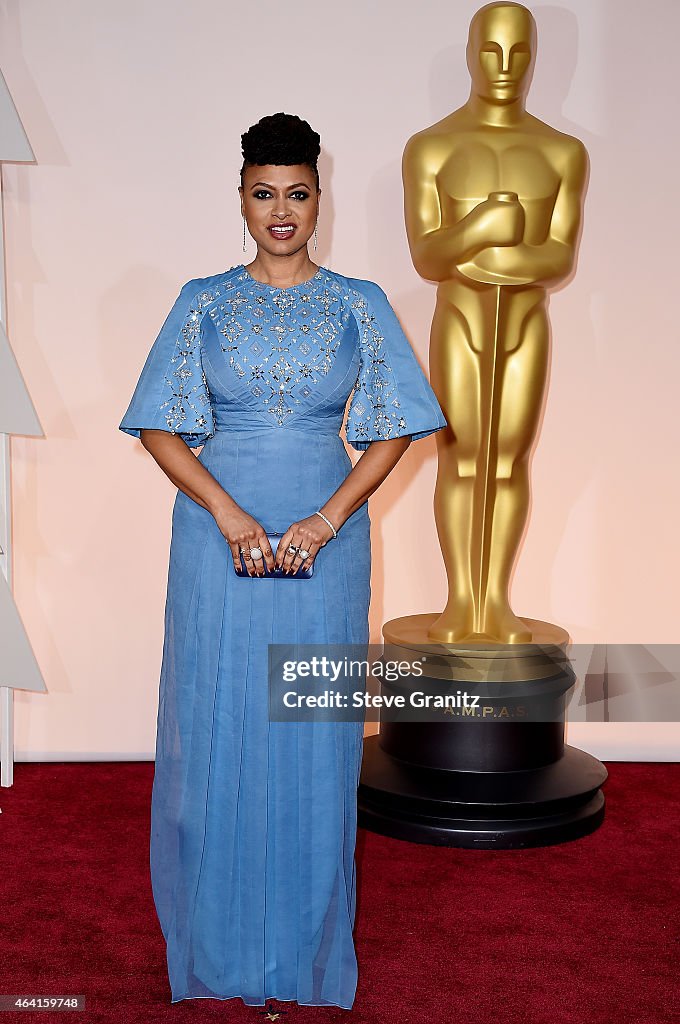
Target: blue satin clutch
column 278, row 574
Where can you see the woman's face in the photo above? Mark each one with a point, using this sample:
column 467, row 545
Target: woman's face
column 280, row 204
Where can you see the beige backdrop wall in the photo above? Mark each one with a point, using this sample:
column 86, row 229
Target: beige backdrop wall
column 135, row 110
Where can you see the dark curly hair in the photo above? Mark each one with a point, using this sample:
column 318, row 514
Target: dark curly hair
column 281, row 139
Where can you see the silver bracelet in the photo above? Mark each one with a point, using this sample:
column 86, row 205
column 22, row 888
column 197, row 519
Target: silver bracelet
column 335, row 532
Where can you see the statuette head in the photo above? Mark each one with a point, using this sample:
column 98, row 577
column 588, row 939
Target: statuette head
column 500, row 51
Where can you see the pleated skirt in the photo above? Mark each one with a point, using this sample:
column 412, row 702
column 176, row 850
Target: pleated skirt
column 253, row 821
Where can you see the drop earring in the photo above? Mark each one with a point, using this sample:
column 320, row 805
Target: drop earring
column 244, row 234
column 316, row 237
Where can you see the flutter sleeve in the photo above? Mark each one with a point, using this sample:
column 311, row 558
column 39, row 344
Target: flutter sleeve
column 392, row 396
column 172, row 393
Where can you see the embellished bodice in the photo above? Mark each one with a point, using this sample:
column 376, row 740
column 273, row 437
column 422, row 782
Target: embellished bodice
column 281, row 344
column 236, row 354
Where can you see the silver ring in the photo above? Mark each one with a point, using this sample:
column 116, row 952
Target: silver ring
column 303, row 554
column 292, row 550
column 256, row 552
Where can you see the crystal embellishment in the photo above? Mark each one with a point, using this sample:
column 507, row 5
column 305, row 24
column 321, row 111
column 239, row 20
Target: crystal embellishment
column 368, row 418
column 265, row 340
column 187, row 408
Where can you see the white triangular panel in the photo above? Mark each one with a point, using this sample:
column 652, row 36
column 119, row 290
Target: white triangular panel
column 18, row 667
column 14, row 144
column 17, row 415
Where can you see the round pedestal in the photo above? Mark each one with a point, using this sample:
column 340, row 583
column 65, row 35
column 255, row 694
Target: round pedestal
column 498, row 778
column 481, row 810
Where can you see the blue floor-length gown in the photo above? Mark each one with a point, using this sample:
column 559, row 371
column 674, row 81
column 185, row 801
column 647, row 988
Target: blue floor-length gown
column 253, row 822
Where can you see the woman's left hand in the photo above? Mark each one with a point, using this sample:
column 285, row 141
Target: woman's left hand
column 309, row 536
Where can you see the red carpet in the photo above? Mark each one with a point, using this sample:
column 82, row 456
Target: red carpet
column 582, row 933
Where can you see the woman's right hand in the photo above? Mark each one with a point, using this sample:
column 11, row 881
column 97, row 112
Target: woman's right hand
column 242, row 533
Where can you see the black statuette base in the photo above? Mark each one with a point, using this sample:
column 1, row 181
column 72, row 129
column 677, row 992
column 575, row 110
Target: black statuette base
column 506, row 810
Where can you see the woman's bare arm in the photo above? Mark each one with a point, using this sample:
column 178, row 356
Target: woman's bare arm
column 239, row 529
column 312, row 533
column 182, row 467
column 376, row 463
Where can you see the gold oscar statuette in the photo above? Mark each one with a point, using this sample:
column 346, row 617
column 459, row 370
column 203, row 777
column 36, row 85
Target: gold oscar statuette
column 493, row 201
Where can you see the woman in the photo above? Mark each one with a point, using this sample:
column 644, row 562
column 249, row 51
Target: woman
column 253, row 822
